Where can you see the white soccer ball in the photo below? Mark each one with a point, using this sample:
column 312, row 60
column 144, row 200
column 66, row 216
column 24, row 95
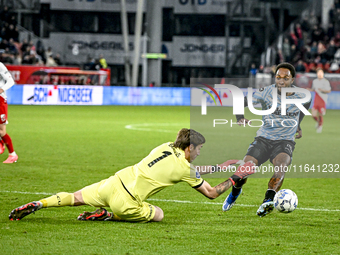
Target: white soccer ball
column 285, row 201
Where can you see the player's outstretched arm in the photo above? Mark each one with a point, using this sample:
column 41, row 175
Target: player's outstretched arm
column 298, row 133
column 242, row 172
column 214, row 192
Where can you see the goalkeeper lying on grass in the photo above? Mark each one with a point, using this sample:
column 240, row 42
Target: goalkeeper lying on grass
column 126, row 191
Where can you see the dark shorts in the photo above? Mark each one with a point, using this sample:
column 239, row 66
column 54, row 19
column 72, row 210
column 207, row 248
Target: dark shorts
column 263, row 149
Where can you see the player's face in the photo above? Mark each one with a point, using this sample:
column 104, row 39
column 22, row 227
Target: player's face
column 283, row 78
column 320, row 74
column 194, row 152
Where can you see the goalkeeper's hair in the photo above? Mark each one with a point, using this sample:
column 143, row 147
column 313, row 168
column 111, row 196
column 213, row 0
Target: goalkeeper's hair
column 185, row 137
column 288, row 66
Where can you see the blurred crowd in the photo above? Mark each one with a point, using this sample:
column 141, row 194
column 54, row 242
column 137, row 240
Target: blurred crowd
column 310, row 46
column 14, row 52
column 93, row 64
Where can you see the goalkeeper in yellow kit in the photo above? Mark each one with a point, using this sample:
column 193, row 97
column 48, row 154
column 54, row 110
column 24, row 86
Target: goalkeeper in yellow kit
column 126, row 191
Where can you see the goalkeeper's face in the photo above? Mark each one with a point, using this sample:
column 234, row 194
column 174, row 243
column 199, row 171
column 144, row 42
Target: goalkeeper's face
column 194, row 151
column 283, row 78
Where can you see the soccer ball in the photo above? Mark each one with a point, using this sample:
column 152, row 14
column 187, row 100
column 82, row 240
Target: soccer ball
column 285, row 201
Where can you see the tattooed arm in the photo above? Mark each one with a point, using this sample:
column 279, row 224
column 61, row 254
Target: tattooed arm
column 242, row 172
column 214, row 192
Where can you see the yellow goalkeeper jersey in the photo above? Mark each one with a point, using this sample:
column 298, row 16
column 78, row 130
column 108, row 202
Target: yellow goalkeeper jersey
column 163, row 167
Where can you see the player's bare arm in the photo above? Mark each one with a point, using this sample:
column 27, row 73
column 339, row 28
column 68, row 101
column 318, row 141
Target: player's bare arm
column 242, row 172
column 214, row 192
column 298, row 133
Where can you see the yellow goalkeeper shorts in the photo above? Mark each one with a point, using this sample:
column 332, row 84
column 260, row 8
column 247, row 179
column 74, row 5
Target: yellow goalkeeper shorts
column 110, row 192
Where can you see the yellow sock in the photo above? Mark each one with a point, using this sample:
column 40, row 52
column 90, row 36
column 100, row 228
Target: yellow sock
column 59, row 199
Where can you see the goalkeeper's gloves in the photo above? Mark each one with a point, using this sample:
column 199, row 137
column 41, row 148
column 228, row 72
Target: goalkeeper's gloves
column 230, row 162
column 243, row 171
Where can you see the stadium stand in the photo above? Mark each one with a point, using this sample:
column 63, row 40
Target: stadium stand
column 309, row 46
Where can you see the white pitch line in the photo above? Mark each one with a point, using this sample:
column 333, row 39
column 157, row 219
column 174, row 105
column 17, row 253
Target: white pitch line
column 192, row 202
column 24, row 192
column 212, row 203
column 153, row 127
column 179, row 201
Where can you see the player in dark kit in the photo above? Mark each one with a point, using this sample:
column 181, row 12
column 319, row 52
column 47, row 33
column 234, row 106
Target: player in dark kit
column 274, row 140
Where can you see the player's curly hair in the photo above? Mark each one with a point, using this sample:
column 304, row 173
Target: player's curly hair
column 287, row 65
column 185, row 137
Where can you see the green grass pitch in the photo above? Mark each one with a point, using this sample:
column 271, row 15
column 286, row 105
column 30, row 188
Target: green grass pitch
column 64, row 148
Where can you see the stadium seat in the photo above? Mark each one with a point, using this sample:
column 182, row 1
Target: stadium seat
column 306, row 66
